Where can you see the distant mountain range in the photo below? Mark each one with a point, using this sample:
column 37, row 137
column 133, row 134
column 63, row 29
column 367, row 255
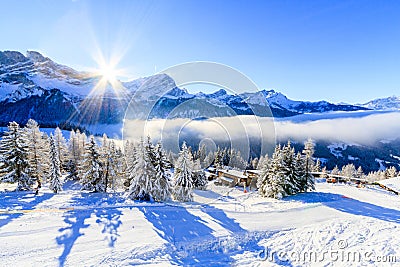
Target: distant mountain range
column 33, row 86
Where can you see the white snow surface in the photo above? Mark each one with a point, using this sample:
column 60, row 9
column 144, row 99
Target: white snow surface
column 222, row 227
column 392, row 183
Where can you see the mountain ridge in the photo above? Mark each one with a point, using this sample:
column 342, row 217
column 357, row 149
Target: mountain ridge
column 32, row 85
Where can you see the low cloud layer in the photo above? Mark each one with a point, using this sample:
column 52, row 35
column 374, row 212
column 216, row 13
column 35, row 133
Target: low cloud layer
column 359, row 130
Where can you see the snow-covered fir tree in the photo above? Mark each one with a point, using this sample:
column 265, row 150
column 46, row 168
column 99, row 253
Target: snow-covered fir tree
column 111, row 163
column 55, row 171
column 183, row 176
column 236, row 160
column 75, row 154
column 218, row 159
column 262, row 161
column 14, row 167
column 391, row 172
column 121, row 169
column 317, row 166
column 61, row 146
column 300, row 173
column 36, row 148
column 201, row 155
column 360, row 173
column 130, row 161
column 349, row 171
column 324, row 172
column 308, row 154
column 284, row 174
column 209, row 160
column 171, row 158
column 45, row 157
column 199, row 177
column 335, row 171
column 274, row 179
column 288, row 168
column 263, row 165
column 254, row 163
column 141, row 174
column 162, row 187
column 91, row 171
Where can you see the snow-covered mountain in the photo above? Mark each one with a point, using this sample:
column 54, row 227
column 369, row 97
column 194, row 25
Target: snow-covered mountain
column 388, row 103
column 33, row 86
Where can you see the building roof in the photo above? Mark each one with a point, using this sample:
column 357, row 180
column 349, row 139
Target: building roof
column 226, row 179
column 236, row 173
column 254, row 171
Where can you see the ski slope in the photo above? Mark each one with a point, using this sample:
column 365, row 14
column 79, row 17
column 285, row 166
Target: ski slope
column 222, row 227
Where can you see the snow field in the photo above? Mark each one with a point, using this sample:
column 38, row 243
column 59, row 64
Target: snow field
column 222, row 227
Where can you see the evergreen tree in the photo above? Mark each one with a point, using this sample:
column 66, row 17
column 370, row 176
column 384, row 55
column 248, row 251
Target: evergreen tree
column 209, row 160
column 261, row 163
column 130, row 158
column 161, row 187
column 218, row 160
column 254, row 163
column 274, row 180
column 121, row 169
column 263, row 178
column 150, row 150
column 300, row 173
column 61, row 146
column 183, row 176
column 324, row 172
column 360, row 173
column 349, row 171
column 201, row 155
column 391, row 172
column 225, row 156
column 141, row 174
column 317, row 166
column 308, row 153
column 288, row 169
column 171, row 159
column 75, row 154
column 335, row 171
column 44, row 166
column 36, row 152
column 14, row 154
column 55, row 172
column 236, row 160
column 110, row 163
column 92, row 169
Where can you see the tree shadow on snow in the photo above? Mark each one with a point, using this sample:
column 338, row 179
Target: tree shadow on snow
column 349, row 205
column 191, row 241
column 16, row 203
column 110, row 220
column 82, row 208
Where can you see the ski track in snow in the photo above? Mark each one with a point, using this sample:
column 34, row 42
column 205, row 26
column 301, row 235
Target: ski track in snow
column 223, row 227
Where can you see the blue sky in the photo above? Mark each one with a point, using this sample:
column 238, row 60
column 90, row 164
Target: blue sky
column 333, row 50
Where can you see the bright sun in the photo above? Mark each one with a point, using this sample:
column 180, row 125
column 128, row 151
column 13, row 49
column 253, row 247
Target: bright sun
column 108, row 73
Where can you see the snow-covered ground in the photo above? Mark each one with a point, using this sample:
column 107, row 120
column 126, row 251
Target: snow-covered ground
column 392, row 183
column 222, row 227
